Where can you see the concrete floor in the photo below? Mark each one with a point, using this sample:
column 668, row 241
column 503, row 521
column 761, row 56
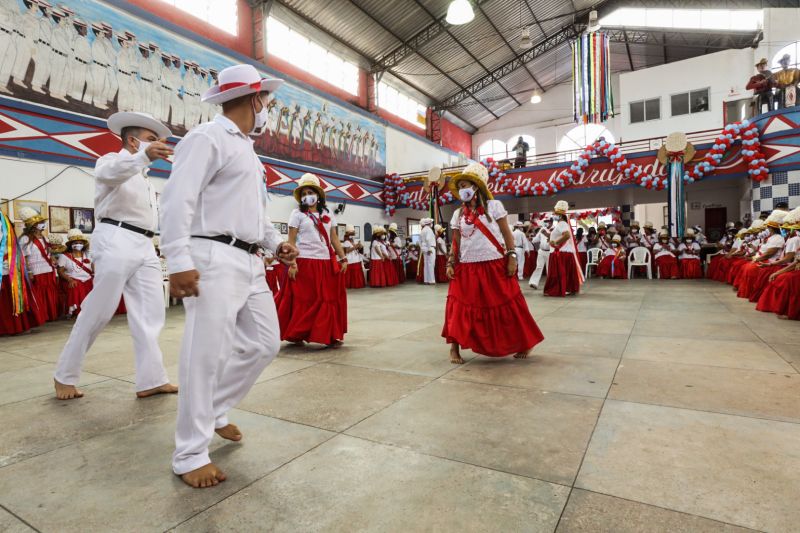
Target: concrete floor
column 651, row 406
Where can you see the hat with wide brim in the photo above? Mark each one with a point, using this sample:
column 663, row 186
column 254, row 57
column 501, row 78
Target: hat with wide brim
column 379, row 230
column 30, row 217
column 474, row 173
column 76, row 235
column 239, row 80
column 308, row 180
column 134, row 119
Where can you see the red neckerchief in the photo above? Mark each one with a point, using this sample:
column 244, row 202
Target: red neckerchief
column 80, row 264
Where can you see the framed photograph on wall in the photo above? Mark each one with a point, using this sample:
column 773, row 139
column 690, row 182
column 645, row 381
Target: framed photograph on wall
column 340, row 229
column 36, row 205
column 284, row 228
column 358, row 231
column 59, row 219
column 83, row 219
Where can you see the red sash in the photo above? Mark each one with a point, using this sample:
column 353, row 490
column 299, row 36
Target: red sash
column 326, row 238
column 46, row 257
column 476, row 221
column 80, row 264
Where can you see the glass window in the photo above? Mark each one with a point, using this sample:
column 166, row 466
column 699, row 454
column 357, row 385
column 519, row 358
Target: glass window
column 401, row 105
column 699, row 100
column 652, row 109
column 529, row 140
column 579, row 137
column 493, row 148
column 637, row 112
column 220, row 13
column 680, row 104
column 305, row 54
column 794, row 56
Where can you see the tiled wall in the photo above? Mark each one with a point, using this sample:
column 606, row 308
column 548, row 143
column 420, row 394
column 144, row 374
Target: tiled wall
column 780, row 187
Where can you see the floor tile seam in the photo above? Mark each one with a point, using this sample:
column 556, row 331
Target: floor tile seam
column 527, row 389
column 634, row 358
column 754, row 332
column 26, row 367
column 15, row 354
column 288, row 421
column 717, row 520
column 51, row 393
column 254, row 481
column 15, row 515
column 453, row 460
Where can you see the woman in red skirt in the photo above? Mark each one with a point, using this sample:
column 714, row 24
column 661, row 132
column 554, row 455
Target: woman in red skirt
column 412, row 261
column 564, row 276
column 530, row 251
column 485, row 309
column 753, row 276
column 16, row 300
column 689, row 258
column 395, row 245
column 665, row 259
column 742, row 256
column 273, row 270
column 76, row 271
column 380, row 266
column 312, row 307
column 440, row 268
column 41, row 269
column 613, row 264
column 580, row 243
column 782, row 294
column 354, row 277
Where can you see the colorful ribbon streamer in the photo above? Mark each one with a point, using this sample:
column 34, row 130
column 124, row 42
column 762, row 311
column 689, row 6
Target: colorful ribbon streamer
column 591, row 78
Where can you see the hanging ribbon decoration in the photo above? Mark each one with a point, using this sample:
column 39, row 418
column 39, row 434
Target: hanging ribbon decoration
column 591, row 78
column 16, row 266
column 394, row 188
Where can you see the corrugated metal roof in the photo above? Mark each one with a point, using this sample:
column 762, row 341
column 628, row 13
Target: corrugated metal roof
column 375, row 28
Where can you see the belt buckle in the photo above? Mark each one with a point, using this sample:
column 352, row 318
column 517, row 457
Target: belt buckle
column 253, row 248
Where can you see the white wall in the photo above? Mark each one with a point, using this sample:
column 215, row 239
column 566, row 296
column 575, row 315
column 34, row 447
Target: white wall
column 406, row 152
column 780, row 28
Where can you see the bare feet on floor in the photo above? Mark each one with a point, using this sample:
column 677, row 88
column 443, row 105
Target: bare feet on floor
column 230, row 432
column 205, row 476
column 167, row 388
column 521, row 355
column 455, row 356
column 783, row 317
column 67, row 392
column 335, row 344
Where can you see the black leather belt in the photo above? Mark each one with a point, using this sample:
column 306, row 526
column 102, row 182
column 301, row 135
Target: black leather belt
column 129, row 227
column 81, row 61
column 248, row 247
column 147, row 80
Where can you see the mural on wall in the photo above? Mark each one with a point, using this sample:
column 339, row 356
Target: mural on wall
column 89, row 57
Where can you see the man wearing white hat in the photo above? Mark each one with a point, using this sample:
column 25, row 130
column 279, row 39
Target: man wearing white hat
column 215, row 220
column 124, row 257
column 519, row 247
column 427, row 245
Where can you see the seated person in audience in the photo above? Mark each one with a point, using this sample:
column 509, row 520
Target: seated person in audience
column 699, row 236
column 76, row 271
column 633, row 237
column 613, row 265
column 782, row 292
column 666, row 260
column 592, row 239
column 723, row 245
column 689, row 257
column 778, row 261
column 770, row 249
column 741, row 255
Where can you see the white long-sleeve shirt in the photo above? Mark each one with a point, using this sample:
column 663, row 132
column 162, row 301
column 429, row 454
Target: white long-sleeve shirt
column 123, row 191
column 217, row 187
column 427, row 240
column 519, row 239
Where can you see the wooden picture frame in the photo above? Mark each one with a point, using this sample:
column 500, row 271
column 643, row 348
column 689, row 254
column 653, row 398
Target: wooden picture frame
column 82, row 218
column 37, row 205
column 60, row 219
column 4, row 207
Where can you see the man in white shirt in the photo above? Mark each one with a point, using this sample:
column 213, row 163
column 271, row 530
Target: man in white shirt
column 542, row 243
column 124, row 257
column 519, row 247
column 215, row 220
column 427, row 245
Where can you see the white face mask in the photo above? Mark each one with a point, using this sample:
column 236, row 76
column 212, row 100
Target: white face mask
column 635, row 231
column 77, row 247
column 260, row 120
column 310, row 199
column 40, row 226
column 142, row 145
column 466, row 194
column 614, row 244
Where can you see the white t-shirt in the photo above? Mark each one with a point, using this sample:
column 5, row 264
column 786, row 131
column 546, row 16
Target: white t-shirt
column 74, row 271
column 376, row 248
column 792, row 246
column 648, row 241
column 474, row 246
column 37, row 263
column 582, row 244
column 310, row 243
column 774, row 241
column 519, row 239
column 693, row 246
column 563, row 228
column 351, row 252
column 663, row 249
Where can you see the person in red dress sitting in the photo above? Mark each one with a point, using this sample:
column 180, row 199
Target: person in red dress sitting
column 666, row 259
column 613, row 264
column 689, row 258
column 749, row 279
column 485, row 311
column 354, row 277
column 76, row 271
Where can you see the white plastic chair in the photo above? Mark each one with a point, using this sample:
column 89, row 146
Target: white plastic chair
column 594, row 256
column 640, row 256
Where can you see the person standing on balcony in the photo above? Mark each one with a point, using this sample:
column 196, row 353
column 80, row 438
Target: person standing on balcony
column 521, row 151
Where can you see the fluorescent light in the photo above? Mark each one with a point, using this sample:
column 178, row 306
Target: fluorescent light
column 459, row 12
column 536, row 97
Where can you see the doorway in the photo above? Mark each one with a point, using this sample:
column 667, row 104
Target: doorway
column 716, row 217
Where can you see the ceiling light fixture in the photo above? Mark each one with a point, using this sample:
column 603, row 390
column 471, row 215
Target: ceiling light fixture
column 536, row 97
column 525, row 39
column 459, row 12
column 594, row 23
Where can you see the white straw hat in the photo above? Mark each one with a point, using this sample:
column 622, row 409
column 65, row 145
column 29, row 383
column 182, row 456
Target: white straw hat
column 128, row 119
column 237, row 81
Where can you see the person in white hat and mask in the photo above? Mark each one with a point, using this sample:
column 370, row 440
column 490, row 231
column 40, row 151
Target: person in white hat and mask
column 519, row 247
column 564, row 274
column 312, row 307
column 354, row 277
column 441, row 255
column 40, row 265
column 125, row 260
column 689, row 257
column 395, row 245
column 427, row 246
column 214, row 222
column 76, row 271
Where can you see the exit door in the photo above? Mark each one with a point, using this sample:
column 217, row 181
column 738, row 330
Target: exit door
column 716, row 218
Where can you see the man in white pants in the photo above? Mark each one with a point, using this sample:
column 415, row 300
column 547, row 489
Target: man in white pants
column 124, row 257
column 542, row 242
column 215, row 220
column 519, row 247
column 427, row 246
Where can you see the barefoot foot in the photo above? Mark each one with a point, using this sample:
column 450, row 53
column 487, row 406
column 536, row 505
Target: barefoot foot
column 167, row 388
column 205, row 476
column 230, row 432
column 335, row 344
column 783, row 317
column 455, row 356
column 67, row 392
column 521, row 355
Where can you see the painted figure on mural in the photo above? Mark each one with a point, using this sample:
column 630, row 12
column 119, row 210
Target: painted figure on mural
column 61, row 42
column 80, row 63
column 26, row 34
column 8, row 44
column 785, row 81
column 178, row 107
column 43, row 54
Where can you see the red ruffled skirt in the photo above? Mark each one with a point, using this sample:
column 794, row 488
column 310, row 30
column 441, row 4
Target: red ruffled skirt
column 691, row 269
column 401, row 272
column 715, row 265
column 667, row 266
column 486, row 312
column 45, row 292
column 313, row 306
column 760, row 280
column 379, row 272
column 530, row 264
column 441, row 269
column 737, row 263
column 354, row 277
column 782, row 296
column 583, row 258
column 11, row 324
column 411, row 269
column 562, row 274
column 612, row 268
column 273, row 276
column 75, row 296
column 391, row 273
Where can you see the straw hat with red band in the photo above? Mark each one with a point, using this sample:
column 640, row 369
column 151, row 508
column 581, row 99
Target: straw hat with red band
column 239, row 80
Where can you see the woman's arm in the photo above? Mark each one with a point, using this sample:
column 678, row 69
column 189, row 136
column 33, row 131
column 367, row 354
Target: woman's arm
column 452, row 259
column 293, row 242
column 508, row 237
column 337, row 246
